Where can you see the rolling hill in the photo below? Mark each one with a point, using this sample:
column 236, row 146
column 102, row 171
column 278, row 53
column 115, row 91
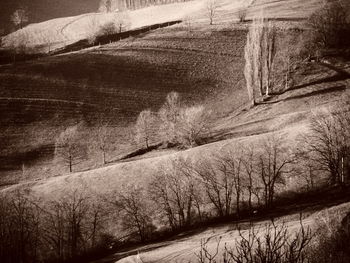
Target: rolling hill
column 57, row 33
column 40, row 98
column 203, row 63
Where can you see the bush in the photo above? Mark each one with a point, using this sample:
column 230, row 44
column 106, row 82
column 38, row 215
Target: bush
column 108, row 29
column 181, row 125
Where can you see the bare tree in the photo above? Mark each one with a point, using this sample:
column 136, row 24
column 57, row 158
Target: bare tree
column 250, row 182
column 306, row 169
column 188, row 21
column 20, row 17
column 230, row 164
column 144, row 128
column 93, row 30
column 272, row 163
column 19, row 228
column 287, row 62
column 328, row 143
column 253, row 56
column 135, row 211
column 205, row 255
column 256, row 46
column 103, row 140
column 212, row 7
column 193, row 124
column 241, row 14
column 270, row 50
column 330, row 25
column 173, row 191
column 169, row 116
column 71, row 226
column 249, row 68
column 274, row 245
column 105, row 6
column 69, row 147
column 122, row 21
column 218, row 184
column 260, row 51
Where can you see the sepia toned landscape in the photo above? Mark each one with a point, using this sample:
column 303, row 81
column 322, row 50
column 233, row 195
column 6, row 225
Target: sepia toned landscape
column 175, row 131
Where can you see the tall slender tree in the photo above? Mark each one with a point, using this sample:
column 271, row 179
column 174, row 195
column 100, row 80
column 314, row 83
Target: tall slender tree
column 259, row 54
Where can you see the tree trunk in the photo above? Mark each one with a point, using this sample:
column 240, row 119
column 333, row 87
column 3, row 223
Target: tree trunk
column 70, row 164
column 104, row 157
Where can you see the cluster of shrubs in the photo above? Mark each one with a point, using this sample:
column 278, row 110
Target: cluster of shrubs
column 173, row 124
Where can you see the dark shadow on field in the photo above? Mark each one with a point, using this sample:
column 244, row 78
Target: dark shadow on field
column 309, row 94
column 14, row 161
column 286, row 205
column 339, row 76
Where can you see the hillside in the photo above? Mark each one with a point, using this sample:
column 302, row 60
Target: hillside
column 158, row 203
column 57, row 33
column 287, row 114
column 40, row 11
column 50, row 92
column 186, row 247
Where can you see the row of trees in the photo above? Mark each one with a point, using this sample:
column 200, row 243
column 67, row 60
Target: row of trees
column 327, row 146
column 247, row 178
column 173, row 125
column 259, row 53
column 59, row 231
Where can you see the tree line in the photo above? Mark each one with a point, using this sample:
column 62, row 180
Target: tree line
column 173, row 125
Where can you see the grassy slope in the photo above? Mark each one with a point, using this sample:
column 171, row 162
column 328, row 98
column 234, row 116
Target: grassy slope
column 286, row 114
column 129, row 76
column 204, row 65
